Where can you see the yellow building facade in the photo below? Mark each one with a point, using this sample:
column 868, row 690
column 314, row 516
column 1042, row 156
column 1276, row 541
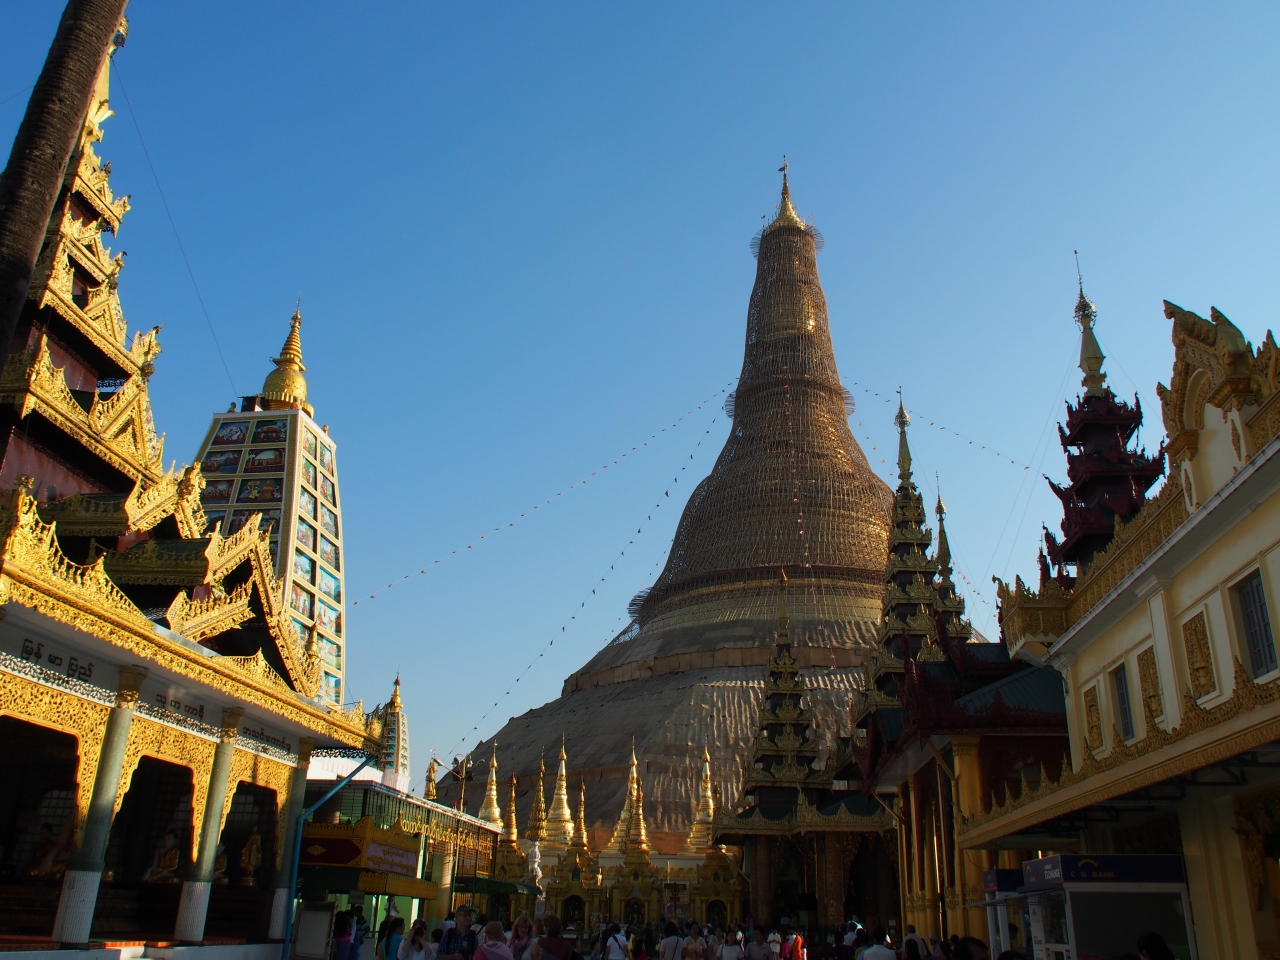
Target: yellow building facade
column 1166, row 648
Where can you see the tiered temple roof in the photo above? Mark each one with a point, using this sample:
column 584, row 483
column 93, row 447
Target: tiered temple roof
column 930, row 675
column 79, row 451
column 1107, row 481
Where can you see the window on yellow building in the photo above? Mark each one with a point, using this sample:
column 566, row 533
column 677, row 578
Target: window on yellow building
column 1124, row 714
column 1257, row 624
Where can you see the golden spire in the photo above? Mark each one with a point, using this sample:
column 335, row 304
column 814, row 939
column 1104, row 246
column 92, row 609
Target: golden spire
column 429, row 788
column 394, row 704
column 943, row 555
column 787, row 216
column 536, row 828
column 637, row 833
column 702, row 830
column 902, row 420
column 285, row 386
column 489, row 810
column 622, row 829
column 1091, row 355
column 560, row 819
column 580, row 825
column 510, row 832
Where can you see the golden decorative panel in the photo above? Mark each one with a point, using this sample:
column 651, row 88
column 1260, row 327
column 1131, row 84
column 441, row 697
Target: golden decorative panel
column 1195, row 637
column 147, row 738
column 197, row 619
column 1092, row 719
column 45, row 706
column 1149, row 680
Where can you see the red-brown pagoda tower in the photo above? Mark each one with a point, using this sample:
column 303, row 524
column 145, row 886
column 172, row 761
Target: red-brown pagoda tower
column 1106, row 479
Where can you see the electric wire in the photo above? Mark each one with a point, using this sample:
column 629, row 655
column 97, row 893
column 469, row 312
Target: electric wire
column 546, row 503
column 564, row 627
column 174, row 226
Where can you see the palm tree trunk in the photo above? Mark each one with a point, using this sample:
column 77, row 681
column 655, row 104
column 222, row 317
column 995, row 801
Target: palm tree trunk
column 50, row 129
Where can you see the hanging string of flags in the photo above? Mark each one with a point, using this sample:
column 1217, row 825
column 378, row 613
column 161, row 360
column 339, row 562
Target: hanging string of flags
column 546, row 503
column 941, row 426
column 564, row 627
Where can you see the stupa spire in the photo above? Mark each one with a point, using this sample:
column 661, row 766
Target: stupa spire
column 948, row 603
column 902, row 420
column 1091, row 355
column 579, row 841
column 560, row 818
column 285, row 386
column 536, row 827
column 622, row 828
column 490, row 812
column 703, row 829
column 637, row 833
column 510, row 832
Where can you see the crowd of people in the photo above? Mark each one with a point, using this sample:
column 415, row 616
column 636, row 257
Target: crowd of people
column 465, row 936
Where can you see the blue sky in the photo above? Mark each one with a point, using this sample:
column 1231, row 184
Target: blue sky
column 521, row 238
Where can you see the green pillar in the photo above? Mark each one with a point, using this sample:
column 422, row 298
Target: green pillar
column 84, row 870
column 193, row 907
column 283, row 902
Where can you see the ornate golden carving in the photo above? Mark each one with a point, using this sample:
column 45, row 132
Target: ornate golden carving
column 31, row 556
column 1045, row 616
column 1195, row 637
column 1257, row 817
column 119, row 429
column 198, row 619
column 37, row 575
column 1149, row 680
column 36, row 703
column 1093, row 719
column 172, row 495
column 1132, row 543
column 147, row 738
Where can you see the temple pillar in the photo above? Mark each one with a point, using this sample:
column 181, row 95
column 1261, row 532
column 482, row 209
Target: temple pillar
column 968, row 769
column 762, row 879
column 444, row 903
column 193, row 907
column 282, row 905
column 84, row 870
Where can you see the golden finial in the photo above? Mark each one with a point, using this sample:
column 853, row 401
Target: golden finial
column 285, row 386
column 902, row 420
column 394, row 703
column 1091, row 355
column 787, row 216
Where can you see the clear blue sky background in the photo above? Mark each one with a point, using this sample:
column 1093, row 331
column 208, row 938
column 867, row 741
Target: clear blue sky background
column 521, row 237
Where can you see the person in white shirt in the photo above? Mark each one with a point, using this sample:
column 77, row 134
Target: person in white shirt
column 775, row 942
column 672, row 942
column 731, row 949
column 615, row 945
column 851, row 934
column 878, row 950
column 920, row 944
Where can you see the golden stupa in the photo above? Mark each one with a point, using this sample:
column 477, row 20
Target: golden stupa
column 791, row 491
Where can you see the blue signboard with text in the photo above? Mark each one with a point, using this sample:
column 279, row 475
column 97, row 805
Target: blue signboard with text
column 1102, row 868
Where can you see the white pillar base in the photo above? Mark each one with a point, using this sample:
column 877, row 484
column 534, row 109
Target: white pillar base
column 193, row 910
column 75, row 907
column 279, row 912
